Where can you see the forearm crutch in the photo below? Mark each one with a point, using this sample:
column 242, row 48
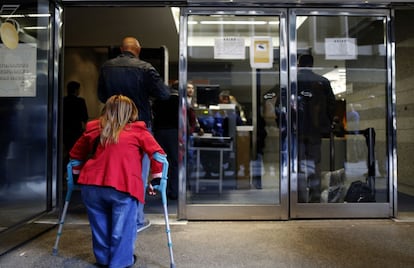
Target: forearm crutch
column 70, row 187
column 162, row 188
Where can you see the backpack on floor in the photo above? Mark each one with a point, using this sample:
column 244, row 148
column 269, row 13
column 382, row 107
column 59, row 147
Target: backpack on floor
column 359, row 192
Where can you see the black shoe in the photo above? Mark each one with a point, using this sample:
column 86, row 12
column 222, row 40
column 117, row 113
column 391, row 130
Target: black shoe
column 100, row 265
column 144, row 226
column 135, row 261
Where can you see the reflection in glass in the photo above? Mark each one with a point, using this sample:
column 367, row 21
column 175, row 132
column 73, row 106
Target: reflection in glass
column 24, row 114
column 236, row 159
column 353, row 152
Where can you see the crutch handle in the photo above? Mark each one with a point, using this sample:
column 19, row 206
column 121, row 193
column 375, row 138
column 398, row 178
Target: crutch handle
column 162, row 187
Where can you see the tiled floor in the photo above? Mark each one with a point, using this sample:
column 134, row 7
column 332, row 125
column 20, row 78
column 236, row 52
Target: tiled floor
column 264, row 244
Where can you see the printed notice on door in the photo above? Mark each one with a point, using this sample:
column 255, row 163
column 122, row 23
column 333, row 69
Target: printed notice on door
column 229, row 48
column 261, row 53
column 340, row 49
column 18, row 71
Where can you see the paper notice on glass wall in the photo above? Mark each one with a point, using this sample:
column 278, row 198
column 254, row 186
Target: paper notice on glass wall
column 18, row 71
column 341, row 49
column 261, row 52
column 229, row 48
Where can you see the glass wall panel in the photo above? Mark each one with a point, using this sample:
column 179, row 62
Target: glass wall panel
column 24, row 64
column 233, row 152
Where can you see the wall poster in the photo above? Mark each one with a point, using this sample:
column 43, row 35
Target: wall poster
column 18, row 71
column 261, row 52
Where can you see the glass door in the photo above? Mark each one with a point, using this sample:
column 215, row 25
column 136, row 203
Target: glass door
column 272, row 135
column 233, row 63
column 340, row 114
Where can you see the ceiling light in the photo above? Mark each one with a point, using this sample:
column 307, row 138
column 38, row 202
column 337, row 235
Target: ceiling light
column 235, row 22
column 175, row 12
column 35, row 28
column 300, row 20
column 28, row 15
column 38, row 15
column 11, row 16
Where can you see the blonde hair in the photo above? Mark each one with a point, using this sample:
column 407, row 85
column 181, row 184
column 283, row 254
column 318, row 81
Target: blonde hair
column 118, row 111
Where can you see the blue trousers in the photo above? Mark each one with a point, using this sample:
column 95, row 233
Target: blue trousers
column 145, row 168
column 112, row 216
column 145, row 172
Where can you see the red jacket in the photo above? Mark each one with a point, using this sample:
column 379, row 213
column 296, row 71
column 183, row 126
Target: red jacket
column 117, row 165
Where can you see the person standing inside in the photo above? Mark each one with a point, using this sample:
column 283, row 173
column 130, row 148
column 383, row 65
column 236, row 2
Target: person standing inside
column 352, row 124
column 193, row 124
column 128, row 75
column 191, row 100
column 75, row 116
column 166, row 133
column 111, row 183
column 315, row 112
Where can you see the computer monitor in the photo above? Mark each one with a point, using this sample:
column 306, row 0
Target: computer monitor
column 207, row 95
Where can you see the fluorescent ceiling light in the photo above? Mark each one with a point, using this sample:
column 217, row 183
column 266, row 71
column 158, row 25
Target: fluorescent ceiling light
column 38, row 15
column 11, row 16
column 193, row 22
column 235, row 22
column 28, row 15
column 175, row 11
column 300, row 20
column 35, row 28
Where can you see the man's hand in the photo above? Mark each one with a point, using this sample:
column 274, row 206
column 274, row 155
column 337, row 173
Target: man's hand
column 150, row 190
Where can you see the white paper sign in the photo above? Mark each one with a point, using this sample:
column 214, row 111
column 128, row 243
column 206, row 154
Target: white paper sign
column 340, row 49
column 18, row 71
column 229, row 48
